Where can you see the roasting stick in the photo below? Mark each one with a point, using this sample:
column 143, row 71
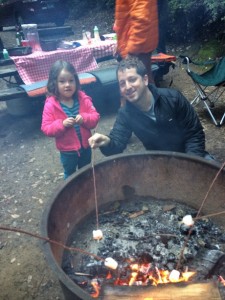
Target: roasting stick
column 210, row 215
column 109, row 262
column 210, row 187
column 97, row 234
column 95, row 191
column 197, row 217
column 48, row 240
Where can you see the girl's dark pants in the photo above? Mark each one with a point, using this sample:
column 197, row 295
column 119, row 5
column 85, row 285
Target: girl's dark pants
column 73, row 160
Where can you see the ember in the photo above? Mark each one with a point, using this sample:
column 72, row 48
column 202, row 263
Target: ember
column 142, row 249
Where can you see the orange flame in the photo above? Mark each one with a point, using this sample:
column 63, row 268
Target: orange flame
column 164, row 276
column 155, row 276
column 96, row 287
column 109, row 275
column 142, row 275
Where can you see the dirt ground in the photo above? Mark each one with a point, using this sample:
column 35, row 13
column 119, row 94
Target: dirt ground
column 30, row 172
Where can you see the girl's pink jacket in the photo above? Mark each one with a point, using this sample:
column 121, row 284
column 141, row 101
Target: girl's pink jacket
column 66, row 138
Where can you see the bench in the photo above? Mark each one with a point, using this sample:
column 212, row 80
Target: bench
column 104, row 77
column 37, row 89
column 8, row 72
column 10, row 75
column 23, row 99
column 100, row 84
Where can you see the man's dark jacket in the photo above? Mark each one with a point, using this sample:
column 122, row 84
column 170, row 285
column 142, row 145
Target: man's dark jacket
column 177, row 126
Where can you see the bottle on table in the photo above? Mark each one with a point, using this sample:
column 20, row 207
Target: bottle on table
column 5, row 54
column 33, row 37
column 18, row 39
column 96, row 34
column 84, row 37
column 25, row 28
column 21, row 34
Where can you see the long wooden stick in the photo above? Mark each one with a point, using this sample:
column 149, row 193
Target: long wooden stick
column 50, row 241
column 199, row 211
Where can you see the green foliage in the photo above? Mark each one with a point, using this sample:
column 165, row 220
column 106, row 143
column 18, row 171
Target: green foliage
column 190, row 19
column 80, row 7
column 210, row 50
column 212, row 9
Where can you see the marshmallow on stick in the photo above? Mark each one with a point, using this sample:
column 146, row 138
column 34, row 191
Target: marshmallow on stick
column 97, row 234
column 111, row 263
column 188, row 220
column 174, row 276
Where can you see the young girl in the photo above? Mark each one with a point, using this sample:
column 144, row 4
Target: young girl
column 68, row 116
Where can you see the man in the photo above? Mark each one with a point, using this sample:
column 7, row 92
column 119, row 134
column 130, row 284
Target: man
column 161, row 118
column 136, row 26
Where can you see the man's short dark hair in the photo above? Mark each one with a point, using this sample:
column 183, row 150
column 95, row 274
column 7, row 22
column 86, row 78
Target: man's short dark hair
column 132, row 62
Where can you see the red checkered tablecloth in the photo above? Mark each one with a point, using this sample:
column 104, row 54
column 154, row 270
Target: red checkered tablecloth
column 35, row 67
column 103, row 48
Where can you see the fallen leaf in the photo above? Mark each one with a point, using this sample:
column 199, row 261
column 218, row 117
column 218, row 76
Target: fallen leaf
column 136, row 214
column 15, row 216
column 12, row 260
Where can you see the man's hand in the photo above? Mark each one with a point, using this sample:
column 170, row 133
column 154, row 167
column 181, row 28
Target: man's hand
column 98, row 140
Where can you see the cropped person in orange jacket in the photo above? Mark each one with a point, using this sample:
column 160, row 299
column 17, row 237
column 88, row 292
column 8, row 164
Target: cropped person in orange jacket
column 136, row 26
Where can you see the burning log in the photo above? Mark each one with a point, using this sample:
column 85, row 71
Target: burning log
column 184, row 291
column 205, row 262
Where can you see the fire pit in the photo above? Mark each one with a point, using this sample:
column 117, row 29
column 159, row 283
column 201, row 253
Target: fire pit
column 162, row 175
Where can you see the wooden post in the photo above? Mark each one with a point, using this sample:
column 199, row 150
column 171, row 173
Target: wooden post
column 178, row 291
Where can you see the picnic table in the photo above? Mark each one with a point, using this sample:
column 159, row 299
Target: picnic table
column 35, row 67
column 30, row 72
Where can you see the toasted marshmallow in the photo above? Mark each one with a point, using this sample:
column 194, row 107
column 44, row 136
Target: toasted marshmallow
column 174, row 276
column 188, row 220
column 97, row 234
column 111, row 263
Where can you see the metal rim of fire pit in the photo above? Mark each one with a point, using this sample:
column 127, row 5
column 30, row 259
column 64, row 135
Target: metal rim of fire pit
column 64, row 280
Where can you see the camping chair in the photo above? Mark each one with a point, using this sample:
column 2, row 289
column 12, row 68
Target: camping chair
column 214, row 78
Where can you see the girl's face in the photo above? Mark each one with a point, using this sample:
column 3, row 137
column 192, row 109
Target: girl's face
column 66, row 85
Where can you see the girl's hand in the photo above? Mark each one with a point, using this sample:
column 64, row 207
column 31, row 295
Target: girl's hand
column 69, row 122
column 78, row 119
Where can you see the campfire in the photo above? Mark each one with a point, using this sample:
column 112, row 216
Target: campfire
column 145, row 233
column 142, row 242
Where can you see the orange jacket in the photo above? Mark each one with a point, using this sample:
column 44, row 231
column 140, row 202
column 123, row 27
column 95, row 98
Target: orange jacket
column 136, row 23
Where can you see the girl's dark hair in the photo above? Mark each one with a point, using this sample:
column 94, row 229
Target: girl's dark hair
column 132, row 62
column 56, row 68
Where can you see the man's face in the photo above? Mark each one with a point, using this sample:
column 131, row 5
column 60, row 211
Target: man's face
column 132, row 85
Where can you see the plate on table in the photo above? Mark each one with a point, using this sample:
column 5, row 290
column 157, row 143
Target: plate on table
column 69, row 45
column 109, row 36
